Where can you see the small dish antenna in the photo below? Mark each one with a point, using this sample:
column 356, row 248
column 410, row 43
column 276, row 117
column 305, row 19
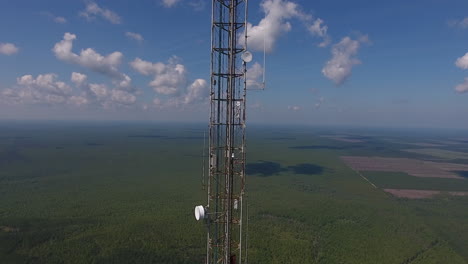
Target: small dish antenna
column 247, row 56
column 199, row 212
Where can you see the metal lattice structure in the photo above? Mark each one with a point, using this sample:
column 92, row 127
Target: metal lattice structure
column 226, row 172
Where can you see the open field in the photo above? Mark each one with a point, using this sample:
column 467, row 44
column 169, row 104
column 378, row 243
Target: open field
column 125, row 192
column 399, row 180
column 414, row 167
column 418, row 194
column 440, row 153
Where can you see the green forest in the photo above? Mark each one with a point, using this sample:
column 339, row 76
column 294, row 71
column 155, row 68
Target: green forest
column 125, row 193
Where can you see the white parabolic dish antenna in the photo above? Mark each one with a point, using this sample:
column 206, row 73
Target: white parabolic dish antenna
column 247, row 56
column 199, row 212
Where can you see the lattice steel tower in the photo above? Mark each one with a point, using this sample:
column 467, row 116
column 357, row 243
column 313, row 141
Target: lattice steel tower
column 224, row 213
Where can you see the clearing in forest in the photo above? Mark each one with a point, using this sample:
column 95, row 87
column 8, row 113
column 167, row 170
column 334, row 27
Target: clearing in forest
column 414, row 167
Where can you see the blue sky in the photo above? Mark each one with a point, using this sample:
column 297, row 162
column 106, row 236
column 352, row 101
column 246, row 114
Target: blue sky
column 338, row 62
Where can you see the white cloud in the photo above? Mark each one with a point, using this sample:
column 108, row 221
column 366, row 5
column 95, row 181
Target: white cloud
column 254, row 75
column 276, row 23
column 92, row 60
column 78, row 100
column 122, row 97
column 170, row 83
column 339, row 67
column 157, row 101
column 78, row 79
column 462, row 62
column 169, row 78
column 318, row 28
column 198, row 5
column 46, row 83
column 294, row 108
column 60, row 20
column 101, row 94
column 197, row 91
column 93, row 91
column 93, row 10
column 44, row 89
column 463, row 87
column 135, row 36
column 146, row 67
column 463, row 23
column 319, row 103
column 8, row 48
column 47, row 89
column 273, row 25
column 170, row 3
column 56, row 19
column 99, row 90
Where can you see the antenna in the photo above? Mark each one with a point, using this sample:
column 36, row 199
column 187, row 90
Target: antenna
column 247, row 56
column 224, row 213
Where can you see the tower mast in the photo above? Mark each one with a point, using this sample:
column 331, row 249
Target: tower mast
column 226, row 174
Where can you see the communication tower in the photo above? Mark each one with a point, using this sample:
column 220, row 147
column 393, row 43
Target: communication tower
column 224, row 212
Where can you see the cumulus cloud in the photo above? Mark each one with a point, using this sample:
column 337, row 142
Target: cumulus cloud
column 294, row 108
column 56, row 19
column 276, row 23
column 60, row 20
column 44, row 89
column 319, row 102
column 318, row 28
column 93, row 10
column 8, row 48
column 92, row 60
column 273, row 25
column 88, row 58
column 197, row 91
column 157, row 102
column 169, row 3
column 78, row 100
column 146, row 67
column 122, row 97
column 78, row 79
column 254, row 75
column 170, row 83
column 340, row 66
column 462, row 62
column 169, row 78
column 99, row 93
column 463, row 87
column 134, row 36
column 198, row 5
column 45, row 82
column 463, row 23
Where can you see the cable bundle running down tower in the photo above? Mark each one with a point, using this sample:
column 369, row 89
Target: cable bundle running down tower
column 224, row 213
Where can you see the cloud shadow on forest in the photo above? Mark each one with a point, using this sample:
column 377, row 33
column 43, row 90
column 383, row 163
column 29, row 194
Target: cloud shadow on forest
column 269, row 168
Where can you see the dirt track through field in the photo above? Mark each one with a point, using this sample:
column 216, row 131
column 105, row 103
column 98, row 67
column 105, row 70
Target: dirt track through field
column 414, row 167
